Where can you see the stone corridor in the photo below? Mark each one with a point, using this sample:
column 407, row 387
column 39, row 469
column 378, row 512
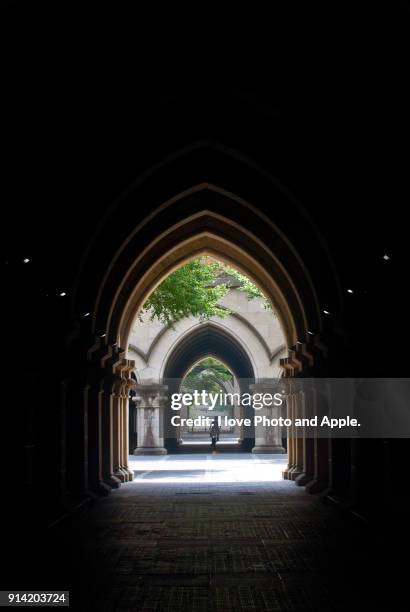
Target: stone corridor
column 200, row 532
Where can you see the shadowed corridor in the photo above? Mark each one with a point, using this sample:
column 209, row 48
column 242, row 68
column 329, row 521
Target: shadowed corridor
column 201, row 533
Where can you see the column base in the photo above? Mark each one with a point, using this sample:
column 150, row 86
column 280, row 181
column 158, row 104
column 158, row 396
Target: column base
column 129, row 473
column 121, row 475
column 295, row 472
column 316, row 486
column 303, row 479
column 274, row 449
column 286, row 473
column 113, row 481
column 101, row 488
column 150, row 451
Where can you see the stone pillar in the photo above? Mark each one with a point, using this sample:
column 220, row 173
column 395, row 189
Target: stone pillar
column 291, row 438
column 298, row 438
column 108, row 412
column 95, row 450
column 307, row 450
column 308, row 457
column 150, row 413
column 117, row 434
column 268, row 439
column 109, row 383
column 322, row 452
column 125, row 439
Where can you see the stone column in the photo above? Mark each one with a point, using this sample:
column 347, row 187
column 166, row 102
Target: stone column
column 150, row 408
column 298, row 438
column 308, row 468
column 268, row 439
column 108, row 416
column 291, row 438
column 95, row 451
column 124, row 439
column 322, row 452
column 117, row 433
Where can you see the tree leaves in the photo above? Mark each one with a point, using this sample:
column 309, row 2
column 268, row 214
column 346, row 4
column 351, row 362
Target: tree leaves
column 209, row 374
column 194, row 290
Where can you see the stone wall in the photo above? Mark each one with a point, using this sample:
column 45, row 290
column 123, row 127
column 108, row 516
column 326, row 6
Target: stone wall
column 256, row 328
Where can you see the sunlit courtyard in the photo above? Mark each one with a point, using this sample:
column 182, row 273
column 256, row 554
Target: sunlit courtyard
column 208, row 468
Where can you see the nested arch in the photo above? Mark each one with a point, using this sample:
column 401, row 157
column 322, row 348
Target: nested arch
column 209, row 233
column 208, row 331
column 200, row 360
column 136, row 271
column 206, row 199
column 204, row 340
column 203, row 201
column 157, row 345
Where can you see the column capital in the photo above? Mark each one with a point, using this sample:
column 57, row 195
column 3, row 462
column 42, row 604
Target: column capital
column 150, row 395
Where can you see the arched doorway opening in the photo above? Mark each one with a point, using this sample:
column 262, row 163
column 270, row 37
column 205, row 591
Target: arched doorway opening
column 220, row 224
column 209, row 339
column 208, row 377
column 202, row 309
column 197, row 344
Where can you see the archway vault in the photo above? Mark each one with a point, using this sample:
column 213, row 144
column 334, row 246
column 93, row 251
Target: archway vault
column 209, row 233
column 140, row 265
column 201, row 202
column 205, row 340
column 208, row 339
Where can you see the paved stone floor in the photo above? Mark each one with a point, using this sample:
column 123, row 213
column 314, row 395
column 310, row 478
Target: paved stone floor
column 210, row 532
column 190, row 439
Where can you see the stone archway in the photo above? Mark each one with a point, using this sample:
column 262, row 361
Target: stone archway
column 300, row 355
column 248, row 339
column 208, row 339
column 220, row 223
column 201, row 341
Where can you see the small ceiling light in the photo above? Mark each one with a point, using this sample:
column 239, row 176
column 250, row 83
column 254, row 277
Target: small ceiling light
column 86, row 314
column 326, row 312
column 26, row 260
column 63, row 294
column 311, row 333
column 103, row 335
column 386, row 257
column 350, row 291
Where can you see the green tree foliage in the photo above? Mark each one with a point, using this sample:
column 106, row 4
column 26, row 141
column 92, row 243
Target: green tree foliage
column 208, row 375
column 210, row 372
column 194, row 290
column 247, row 286
column 188, row 292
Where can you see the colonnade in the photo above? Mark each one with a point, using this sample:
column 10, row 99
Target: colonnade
column 103, row 396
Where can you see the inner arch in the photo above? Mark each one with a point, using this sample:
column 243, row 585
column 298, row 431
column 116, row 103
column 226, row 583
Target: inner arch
column 206, row 340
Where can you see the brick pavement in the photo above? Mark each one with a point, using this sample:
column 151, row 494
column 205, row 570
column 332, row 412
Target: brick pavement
column 179, row 539
column 199, row 533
